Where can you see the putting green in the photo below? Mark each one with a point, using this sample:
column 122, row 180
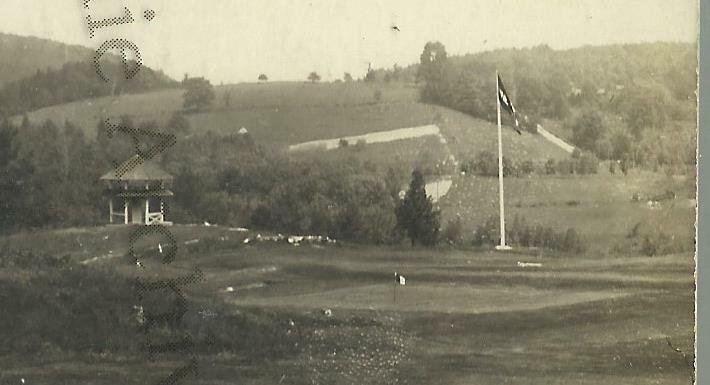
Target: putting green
column 450, row 298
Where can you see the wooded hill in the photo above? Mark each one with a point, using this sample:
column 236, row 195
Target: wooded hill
column 36, row 73
column 22, row 56
column 619, row 101
column 550, row 83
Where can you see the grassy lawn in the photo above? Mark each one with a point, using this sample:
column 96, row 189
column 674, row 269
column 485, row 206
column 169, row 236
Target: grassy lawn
column 465, row 316
column 598, row 206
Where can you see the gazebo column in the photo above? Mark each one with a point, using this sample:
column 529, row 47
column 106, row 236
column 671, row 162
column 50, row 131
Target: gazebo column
column 110, row 209
column 125, row 211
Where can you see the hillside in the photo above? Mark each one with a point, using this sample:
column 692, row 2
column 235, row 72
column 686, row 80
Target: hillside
column 75, row 81
column 279, row 114
column 22, row 56
column 633, row 102
column 250, row 180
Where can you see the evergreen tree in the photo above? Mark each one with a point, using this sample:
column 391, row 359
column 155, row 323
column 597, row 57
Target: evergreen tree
column 10, row 175
column 416, row 214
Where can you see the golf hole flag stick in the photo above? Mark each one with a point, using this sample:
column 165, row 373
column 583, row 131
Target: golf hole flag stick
column 398, row 280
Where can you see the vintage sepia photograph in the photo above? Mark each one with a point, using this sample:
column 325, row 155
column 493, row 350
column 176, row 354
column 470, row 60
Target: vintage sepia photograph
column 348, row 192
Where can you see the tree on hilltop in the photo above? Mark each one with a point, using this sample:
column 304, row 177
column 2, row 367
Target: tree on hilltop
column 370, row 76
column 199, row 94
column 432, row 71
column 314, row 77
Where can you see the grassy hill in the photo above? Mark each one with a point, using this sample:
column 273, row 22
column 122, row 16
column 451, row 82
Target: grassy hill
column 275, row 114
column 22, row 56
column 279, row 114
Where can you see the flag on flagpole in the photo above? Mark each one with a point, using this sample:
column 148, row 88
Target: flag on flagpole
column 399, row 279
column 507, row 104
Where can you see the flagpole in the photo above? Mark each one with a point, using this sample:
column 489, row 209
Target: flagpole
column 396, row 278
column 502, row 245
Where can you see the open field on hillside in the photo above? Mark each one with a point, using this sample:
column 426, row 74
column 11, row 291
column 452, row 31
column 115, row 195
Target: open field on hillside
column 275, row 114
column 599, row 206
column 467, row 136
column 402, row 154
column 369, row 138
column 465, row 316
column 281, row 114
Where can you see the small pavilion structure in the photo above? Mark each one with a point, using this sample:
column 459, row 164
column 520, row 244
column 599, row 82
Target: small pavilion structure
column 138, row 195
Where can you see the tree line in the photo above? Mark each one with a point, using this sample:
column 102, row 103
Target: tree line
column 50, row 177
column 633, row 103
column 73, row 81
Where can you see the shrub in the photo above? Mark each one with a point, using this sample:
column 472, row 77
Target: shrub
column 519, row 232
column 453, row 232
column 360, row 145
column 486, row 233
column 550, row 167
column 652, row 239
column 565, row 167
column 572, row 241
column 526, row 167
column 485, row 164
column 74, row 308
column 586, row 163
column 509, row 168
column 377, row 96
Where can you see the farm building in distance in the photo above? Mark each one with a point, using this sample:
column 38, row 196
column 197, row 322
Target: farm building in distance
column 138, row 189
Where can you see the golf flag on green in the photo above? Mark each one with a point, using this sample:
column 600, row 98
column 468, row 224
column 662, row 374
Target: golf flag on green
column 399, row 279
column 507, row 104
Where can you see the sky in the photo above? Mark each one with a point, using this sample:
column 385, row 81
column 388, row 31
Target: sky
column 230, row 41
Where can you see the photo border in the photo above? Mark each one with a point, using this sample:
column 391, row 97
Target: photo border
column 703, row 218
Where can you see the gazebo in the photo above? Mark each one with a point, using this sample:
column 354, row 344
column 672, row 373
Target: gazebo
column 141, row 191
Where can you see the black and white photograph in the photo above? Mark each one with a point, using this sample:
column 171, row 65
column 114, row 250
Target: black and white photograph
column 348, row 192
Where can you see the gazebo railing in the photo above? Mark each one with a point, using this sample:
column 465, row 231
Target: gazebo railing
column 154, row 219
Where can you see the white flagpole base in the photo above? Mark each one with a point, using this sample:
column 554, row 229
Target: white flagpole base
column 503, row 248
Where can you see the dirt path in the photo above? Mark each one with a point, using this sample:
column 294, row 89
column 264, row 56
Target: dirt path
column 372, row 137
column 555, row 140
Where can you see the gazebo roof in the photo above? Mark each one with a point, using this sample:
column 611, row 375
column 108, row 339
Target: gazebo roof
column 143, row 170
